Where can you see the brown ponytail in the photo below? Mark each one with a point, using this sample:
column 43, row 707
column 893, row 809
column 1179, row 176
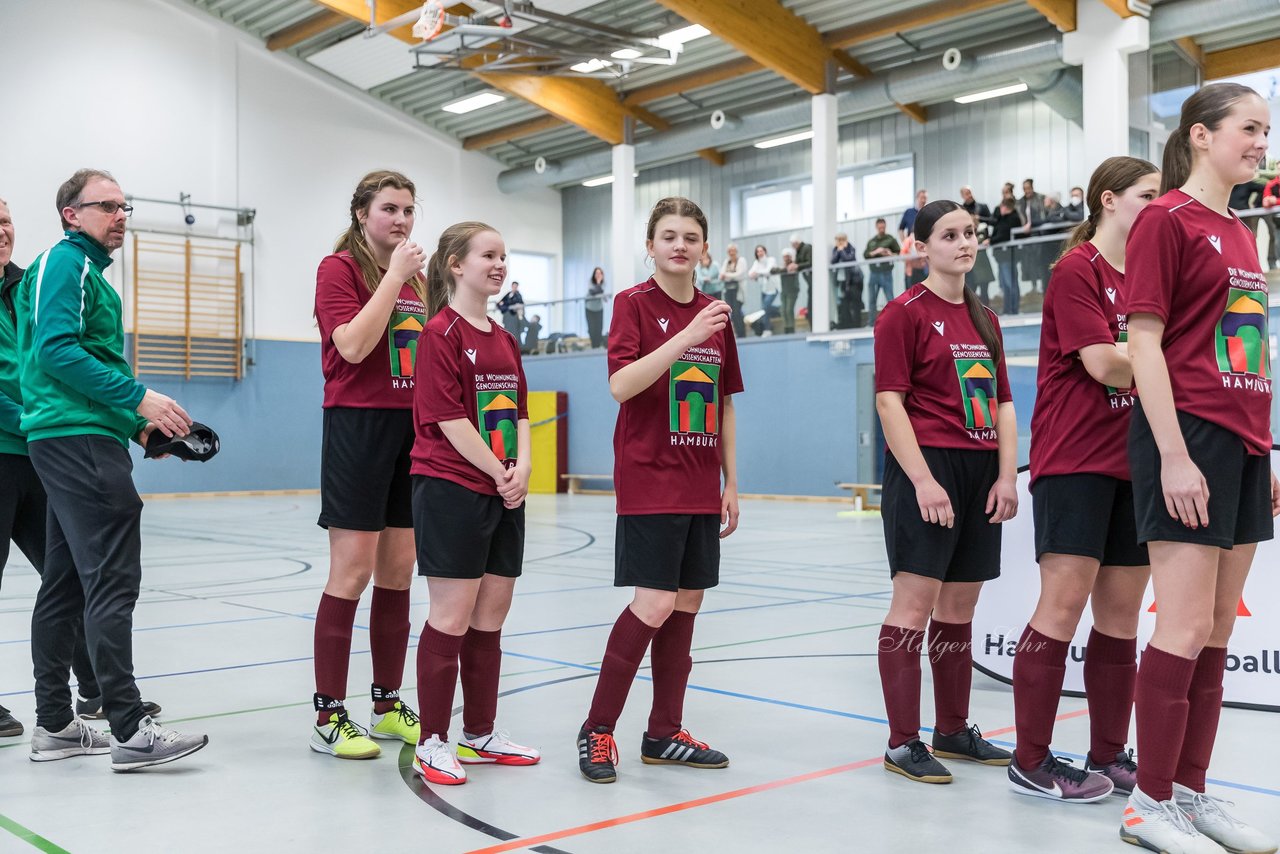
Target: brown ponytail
column 455, row 243
column 925, row 220
column 1116, row 174
column 353, row 240
column 1207, row 106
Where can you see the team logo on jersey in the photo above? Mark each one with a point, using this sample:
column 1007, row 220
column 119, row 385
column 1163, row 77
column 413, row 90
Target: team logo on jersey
column 471, row 354
column 937, row 326
column 1241, row 336
column 498, row 416
column 403, row 331
column 1111, row 295
column 1119, row 398
column 663, row 322
column 1215, row 241
column 694, row 389
column 978, row 389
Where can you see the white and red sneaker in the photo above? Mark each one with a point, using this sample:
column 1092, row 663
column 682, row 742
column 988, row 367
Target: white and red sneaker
column 496, row 748
column 434, row 761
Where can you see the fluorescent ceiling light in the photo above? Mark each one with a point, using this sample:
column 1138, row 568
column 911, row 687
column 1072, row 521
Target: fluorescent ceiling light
column 784, row 140
column 992, row 93
column 626, row 53
column 474, row 102
column 590, row 66
column 598, row 182
column 685, row 34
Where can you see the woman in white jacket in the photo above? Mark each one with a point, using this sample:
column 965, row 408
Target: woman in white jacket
column 762, row 269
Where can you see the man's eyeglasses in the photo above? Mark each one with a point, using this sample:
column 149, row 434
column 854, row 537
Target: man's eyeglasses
column 108, row 208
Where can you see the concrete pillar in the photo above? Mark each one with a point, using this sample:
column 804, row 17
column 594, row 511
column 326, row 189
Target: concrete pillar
column 1101, row 44
column 626, row 239
column 825, row 140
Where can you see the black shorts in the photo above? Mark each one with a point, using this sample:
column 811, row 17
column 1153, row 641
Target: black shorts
column 364, row 469
column 1090, row 515
column 970, row 551
column 667, row 551
column 463, row 534
column 1239, row 485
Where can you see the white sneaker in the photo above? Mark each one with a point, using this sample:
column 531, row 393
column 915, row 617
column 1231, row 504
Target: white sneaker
column 497, row 748
column 435, row 762
column 75, row 739
column 1162, row 826
column 1209, row 815
column 152, row 745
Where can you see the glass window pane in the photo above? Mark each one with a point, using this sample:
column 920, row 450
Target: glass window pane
column 887, row 191
column 767, row 211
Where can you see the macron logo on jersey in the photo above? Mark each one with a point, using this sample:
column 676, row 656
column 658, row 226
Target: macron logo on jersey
column 1216, row 241
column 663, row 322
column 937, row 326
column 471, row 354
column 1111, row 295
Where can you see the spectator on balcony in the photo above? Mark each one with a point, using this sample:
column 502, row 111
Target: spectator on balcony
column 709, row 275
column 979, row 279
column 803, row 264
column 880, row 276
column 973, row 206
column 1007, row 223
column 595, row 308
column 512, row 307
column 762, row 271
column 790, row 282
column 907, row 224
column 731, row 273
column 1074, row 210
column 847, row 282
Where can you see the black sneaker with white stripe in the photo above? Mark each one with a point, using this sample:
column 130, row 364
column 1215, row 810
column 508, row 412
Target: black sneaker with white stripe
column 597, row 755
column 681, row 749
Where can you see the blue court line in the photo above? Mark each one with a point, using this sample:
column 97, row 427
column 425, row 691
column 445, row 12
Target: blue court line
column 175, row 626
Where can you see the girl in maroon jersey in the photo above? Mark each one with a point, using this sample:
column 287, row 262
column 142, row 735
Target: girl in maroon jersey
column 943, row 396
column 470, row 471
column 370, row 304
column 673, row 365
column 1199, row 450
column 1083, row 502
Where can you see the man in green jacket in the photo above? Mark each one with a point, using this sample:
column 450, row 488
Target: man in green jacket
column 80, row 407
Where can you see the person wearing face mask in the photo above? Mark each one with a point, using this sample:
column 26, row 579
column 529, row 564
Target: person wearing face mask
column 81, row 406
column 1074, row 210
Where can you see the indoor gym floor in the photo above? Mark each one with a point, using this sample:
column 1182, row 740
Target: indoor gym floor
column 785, row 682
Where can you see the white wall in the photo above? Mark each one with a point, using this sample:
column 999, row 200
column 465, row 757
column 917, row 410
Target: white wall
column 168, row 99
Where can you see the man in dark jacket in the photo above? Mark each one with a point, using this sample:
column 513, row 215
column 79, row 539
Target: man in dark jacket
column 803, row 265
column 973, row 206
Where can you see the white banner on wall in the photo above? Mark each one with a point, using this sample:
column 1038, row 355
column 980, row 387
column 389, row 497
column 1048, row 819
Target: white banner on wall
column 1253, row 659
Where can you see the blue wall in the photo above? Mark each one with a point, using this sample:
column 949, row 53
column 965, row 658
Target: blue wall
column 797, row 419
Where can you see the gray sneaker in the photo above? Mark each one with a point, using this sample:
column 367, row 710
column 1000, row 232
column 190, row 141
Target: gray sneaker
column 75, row 739
column 152, row 745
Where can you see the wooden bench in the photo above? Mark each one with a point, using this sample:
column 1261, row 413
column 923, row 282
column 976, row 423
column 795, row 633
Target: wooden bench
column 862, row 494
column 575, row 483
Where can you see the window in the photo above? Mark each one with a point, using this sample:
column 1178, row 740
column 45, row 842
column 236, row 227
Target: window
column 862, row 191
column 533, row 272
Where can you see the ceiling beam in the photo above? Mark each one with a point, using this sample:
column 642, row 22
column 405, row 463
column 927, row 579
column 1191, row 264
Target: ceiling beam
column 387, row 9
column 1241, row 60
column 851, row 65
column 908, row 19
column 712, row 155
column 915, row 111
column 1061, row 13
column 653, row 120
column 586, row 102
column 303, row 30
column 500, row 135
column 1187, row 48
column 766, row 31
column 1120, row 7
column 689, row 82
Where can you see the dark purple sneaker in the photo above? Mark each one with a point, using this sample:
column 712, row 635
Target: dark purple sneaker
column 1059, row 780
column 1123, row 772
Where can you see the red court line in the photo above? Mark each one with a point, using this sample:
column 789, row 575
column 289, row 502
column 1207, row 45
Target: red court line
column 530, row 841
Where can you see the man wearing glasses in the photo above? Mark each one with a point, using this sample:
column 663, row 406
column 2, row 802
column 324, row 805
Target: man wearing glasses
column 81, row 406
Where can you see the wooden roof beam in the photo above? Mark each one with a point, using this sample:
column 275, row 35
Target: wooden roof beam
column 1241, row 60
column 1187, row 48
column 497, row 136
column 689, row 82
column 908, row 19
column 1061, row 13
column 918, row 112
column 303, row 30
column 586, row 102
column 387, row 9
column 766, row 31
column 1120, row 7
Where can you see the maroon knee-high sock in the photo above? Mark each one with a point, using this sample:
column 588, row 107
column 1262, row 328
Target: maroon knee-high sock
column 334, row 618
column 627, row 642
column 1161, row 701
column 899, row 658
column 1205, row 707
column 388, row 642
column 671, row 664
column 481, row 661
column 951, row 656
column 1110, row 672
column 1039, row 667
column 437, row 676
